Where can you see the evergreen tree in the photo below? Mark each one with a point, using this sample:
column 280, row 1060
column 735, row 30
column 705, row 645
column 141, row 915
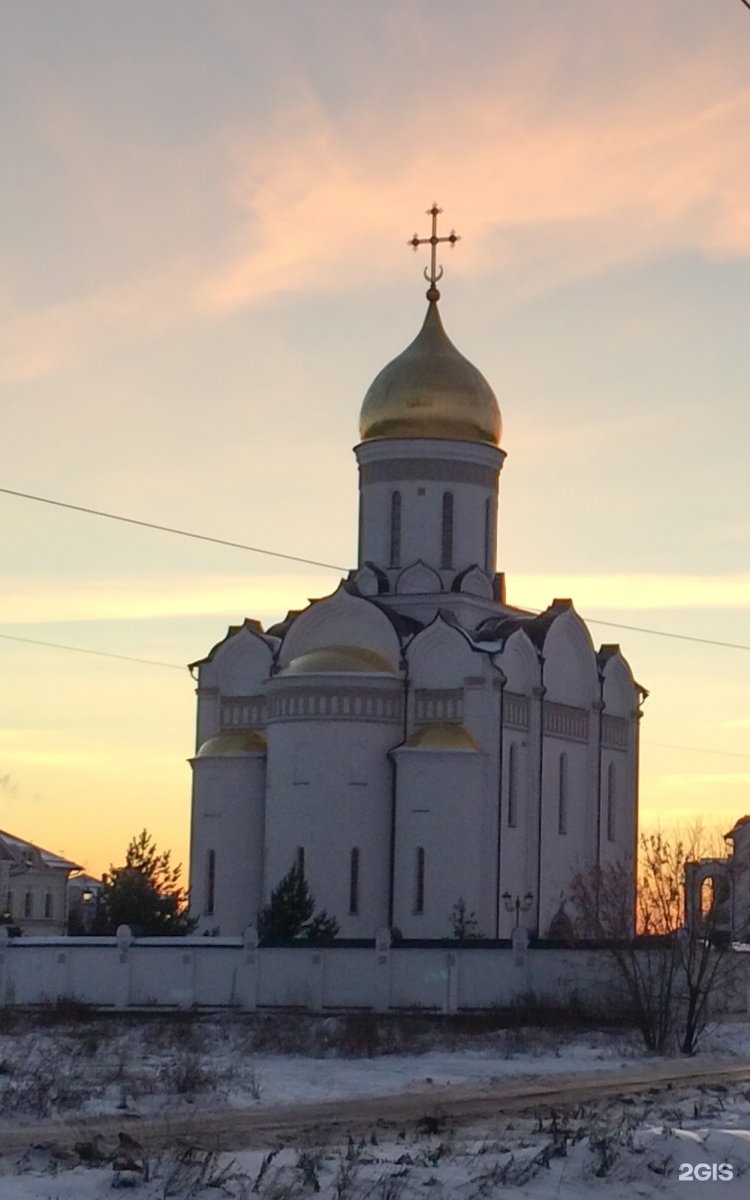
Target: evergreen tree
column 465, row 927
column 145, row 894
column 289, row 914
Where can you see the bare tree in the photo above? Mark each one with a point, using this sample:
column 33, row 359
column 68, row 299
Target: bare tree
column 669, row 975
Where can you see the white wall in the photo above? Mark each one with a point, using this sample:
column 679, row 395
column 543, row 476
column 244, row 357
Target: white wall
column 229, row 973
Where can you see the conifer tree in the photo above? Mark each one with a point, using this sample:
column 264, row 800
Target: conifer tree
column 289, row 914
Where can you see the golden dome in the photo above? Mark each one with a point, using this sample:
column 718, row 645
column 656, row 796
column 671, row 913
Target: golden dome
column 233, row 742
column 339, row 658
column 431, row 391
column 442, row 737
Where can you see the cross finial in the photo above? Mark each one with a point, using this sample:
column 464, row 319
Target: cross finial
column 435, row 272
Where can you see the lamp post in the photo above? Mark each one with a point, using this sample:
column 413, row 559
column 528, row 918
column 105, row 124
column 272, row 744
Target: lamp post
column 517, row 904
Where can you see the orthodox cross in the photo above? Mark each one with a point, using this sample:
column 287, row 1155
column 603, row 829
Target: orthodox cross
column 435, row 272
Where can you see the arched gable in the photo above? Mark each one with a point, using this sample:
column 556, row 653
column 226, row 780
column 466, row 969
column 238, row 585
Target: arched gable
column 341, row 620
column 419, row 579
column 440, row 656
column 369, row 580
column 570, row 668
column 620, row 692
column 240, row 664
column 475, row 582
column 519, row 662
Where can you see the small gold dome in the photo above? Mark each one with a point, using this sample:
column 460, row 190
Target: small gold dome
column 233, row 742
column 442, row 737
column 431, row 391
column 339, row 658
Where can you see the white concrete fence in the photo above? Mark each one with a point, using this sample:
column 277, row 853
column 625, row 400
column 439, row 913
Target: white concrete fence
column 198, row 972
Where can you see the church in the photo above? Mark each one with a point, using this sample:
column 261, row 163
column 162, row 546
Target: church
column 415, row 743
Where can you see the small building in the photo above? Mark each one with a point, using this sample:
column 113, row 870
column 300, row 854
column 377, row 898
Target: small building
column 717, row 890
column 33, row 885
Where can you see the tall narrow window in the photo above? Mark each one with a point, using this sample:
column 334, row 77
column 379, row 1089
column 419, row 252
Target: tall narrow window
column 611, row 801
column 513, row 786
column 446, row 542
column 396, row 529
column 419, row 880
column 488, row 535
column 210, row 883
column 9, row 903
column 301, row 860
column 354, row 881
column 562, row 795
column 28, row 905
column 48, row 904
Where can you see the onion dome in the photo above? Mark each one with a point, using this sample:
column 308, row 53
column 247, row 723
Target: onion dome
column 431, row 391
column 335, row 659
column 442, row 737
column 233, row 743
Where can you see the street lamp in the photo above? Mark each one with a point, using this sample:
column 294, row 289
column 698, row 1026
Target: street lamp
column 517, row 904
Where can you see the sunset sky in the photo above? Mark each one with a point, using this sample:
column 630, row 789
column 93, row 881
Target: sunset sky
column 205, row 209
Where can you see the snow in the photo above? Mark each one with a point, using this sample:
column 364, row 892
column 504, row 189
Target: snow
column 621, row 1148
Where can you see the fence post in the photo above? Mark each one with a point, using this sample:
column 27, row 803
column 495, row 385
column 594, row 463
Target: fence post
column 450, row 1000
column 122, row 972
column 520, row 943
column 382, row 990
column 249, row 970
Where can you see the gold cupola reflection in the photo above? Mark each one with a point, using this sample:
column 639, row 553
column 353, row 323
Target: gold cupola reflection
column 431, row 391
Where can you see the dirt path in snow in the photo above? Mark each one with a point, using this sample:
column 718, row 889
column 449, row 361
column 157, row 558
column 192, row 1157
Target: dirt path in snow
column 266, row 1127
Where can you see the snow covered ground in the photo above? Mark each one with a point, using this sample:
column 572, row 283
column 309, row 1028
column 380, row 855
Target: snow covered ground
column 632, row 1147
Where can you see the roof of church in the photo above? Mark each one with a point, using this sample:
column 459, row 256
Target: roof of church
column 442, row 736
column 431, row 391
column 232, row 743
column 536, row 627
column 335, row 659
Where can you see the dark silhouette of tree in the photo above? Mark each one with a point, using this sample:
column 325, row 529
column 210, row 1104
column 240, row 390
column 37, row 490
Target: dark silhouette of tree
column 289, row 914
column 145, row 893
column 671, row 975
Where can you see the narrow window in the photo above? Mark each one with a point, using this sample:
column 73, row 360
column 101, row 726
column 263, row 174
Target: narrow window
column 562, row 795
column 354, row 881
column 419, row 881
column 446, row 545
column 9, row 903
column 301, row 860
column 210, row 883
column 488, row 535
column 396, row 529
column 611, row 801
column 513, row 786
column 28, row 905
column 48, row 904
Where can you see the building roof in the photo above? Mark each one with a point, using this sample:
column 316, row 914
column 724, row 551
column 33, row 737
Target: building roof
column 19, row 849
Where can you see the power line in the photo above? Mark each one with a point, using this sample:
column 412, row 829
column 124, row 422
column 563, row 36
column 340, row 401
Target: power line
column 151, row 662
column 696, row 749
column 202, row 537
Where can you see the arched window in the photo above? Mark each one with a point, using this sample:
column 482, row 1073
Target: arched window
column 354, row 881
column 395, row 529
column 488, row 535
column 300, row 860
column 562, row 795
column 48, row 904
column 611, row 802
column 446, row 542
column 28, row 904
column 419, row 880
column 208, row 909
column 513, row 786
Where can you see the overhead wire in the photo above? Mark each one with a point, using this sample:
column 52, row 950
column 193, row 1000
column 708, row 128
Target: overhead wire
column 312, row 562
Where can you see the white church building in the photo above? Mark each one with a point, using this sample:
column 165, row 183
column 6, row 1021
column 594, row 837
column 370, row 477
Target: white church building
column 413, row 740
